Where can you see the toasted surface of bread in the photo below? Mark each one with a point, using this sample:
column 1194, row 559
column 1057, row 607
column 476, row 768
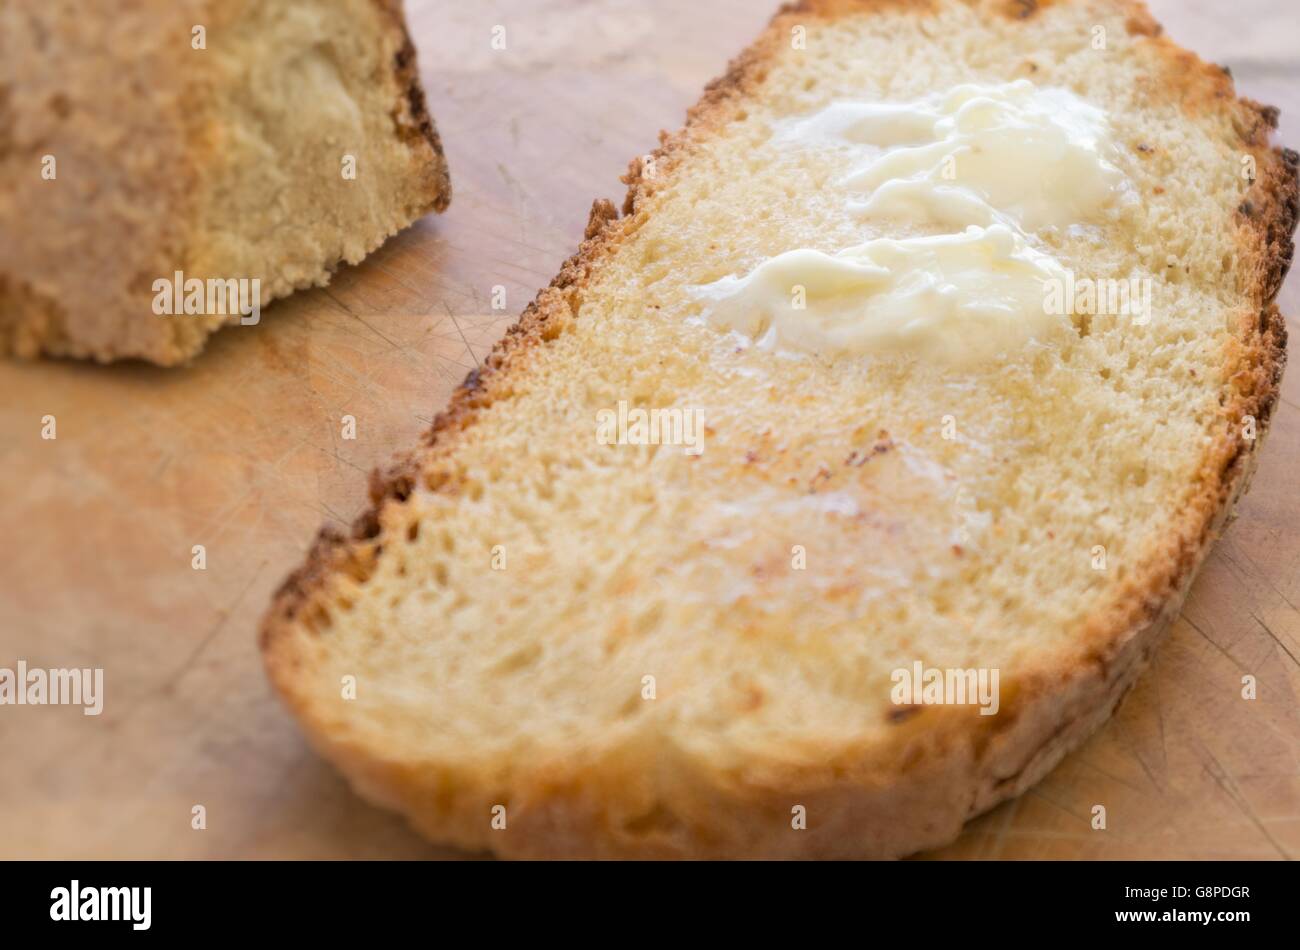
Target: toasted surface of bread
column 614, row 642
column 219, row 154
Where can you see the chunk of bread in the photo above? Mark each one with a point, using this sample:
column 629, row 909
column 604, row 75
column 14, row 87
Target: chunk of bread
column 222, row 139
column 639, row 652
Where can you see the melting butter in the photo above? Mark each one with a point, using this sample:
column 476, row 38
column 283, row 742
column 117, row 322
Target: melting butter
column 991, row 165
column 1029, row 156
column 959, row 298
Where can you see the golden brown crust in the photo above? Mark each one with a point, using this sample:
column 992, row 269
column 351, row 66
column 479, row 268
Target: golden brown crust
column 1273, row 219
column 1046, row 711
column 416, row 122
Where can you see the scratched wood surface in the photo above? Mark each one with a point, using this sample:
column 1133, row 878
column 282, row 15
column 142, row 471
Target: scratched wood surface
column 242, row 452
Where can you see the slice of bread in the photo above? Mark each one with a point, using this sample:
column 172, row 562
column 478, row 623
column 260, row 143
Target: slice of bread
column 544, row 645
column 224, row 140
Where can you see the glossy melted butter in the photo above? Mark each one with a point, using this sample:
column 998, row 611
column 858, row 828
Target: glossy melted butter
column 991, row 165
column 953, row 297
column 1034, row 157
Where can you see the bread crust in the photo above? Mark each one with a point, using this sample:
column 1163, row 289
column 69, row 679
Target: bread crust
column 416, row 122
column 958, row 765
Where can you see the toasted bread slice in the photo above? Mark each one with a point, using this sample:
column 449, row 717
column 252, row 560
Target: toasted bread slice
column 542, row 644
column 224, row 141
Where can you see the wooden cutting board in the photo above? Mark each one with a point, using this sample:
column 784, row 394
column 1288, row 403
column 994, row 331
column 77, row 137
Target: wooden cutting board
column 244, row 453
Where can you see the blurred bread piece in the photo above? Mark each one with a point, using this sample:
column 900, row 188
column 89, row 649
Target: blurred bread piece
column 209, row 137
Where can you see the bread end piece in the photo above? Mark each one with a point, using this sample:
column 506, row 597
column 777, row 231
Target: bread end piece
column 280, row 142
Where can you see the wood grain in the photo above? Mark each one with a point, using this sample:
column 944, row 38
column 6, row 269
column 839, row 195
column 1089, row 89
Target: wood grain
column 243, row 453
